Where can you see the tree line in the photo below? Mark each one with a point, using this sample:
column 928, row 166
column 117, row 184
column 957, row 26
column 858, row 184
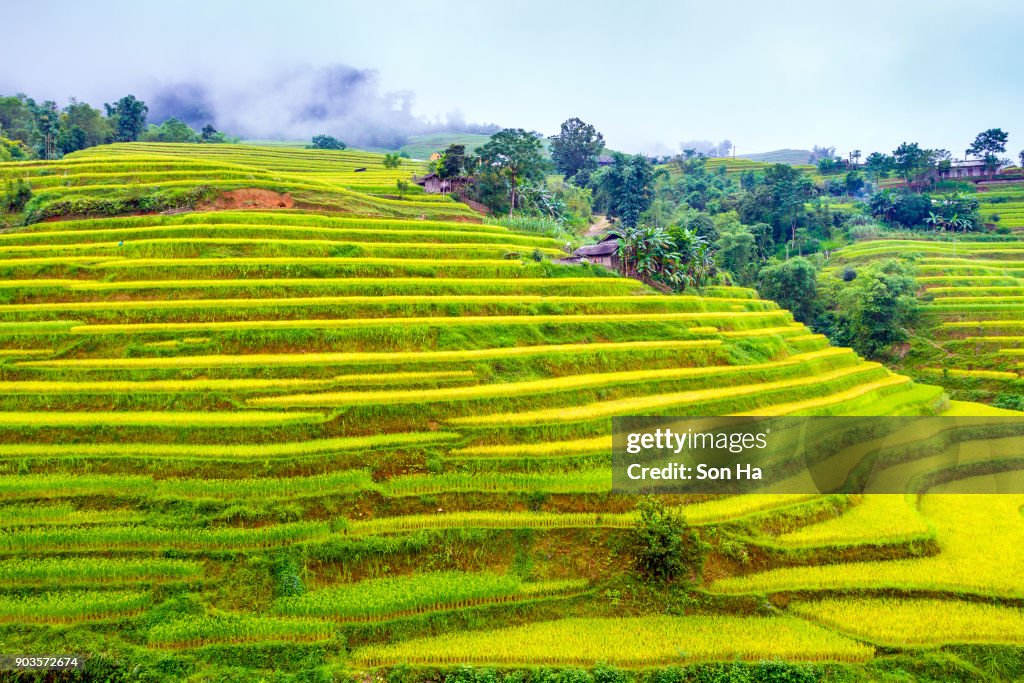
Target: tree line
column 42, row 130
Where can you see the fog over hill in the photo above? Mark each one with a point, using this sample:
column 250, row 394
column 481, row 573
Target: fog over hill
column 301, row 101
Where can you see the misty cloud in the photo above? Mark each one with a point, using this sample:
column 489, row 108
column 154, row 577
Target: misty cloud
column 299, row 102
column 722, row 149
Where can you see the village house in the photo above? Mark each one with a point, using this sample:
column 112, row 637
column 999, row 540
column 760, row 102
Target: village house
column 966, row 168
column 604, row 253
column 435, row 184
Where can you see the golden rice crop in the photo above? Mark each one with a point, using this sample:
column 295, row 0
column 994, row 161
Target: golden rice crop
column 240, row 451
column 978, row 555
column 156, row 419
column 896, row 622
column 441, row 321
column 369, row 358
column 559, row 384
column 380, row 598
column 658, row 402
column 696, row 303
column 629, row 641
column 233, row 385
column 875, row 518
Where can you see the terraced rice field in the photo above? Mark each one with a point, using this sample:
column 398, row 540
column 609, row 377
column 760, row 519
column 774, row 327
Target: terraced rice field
column 973, row 295
column 288, row 440
column 738, row 165
column 1003, row 206
column 129, row 177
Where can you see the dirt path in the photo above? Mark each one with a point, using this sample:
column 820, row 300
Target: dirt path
column 600, row 226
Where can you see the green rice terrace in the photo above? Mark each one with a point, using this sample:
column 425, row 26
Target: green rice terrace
column 359, row 431
column 971, row 340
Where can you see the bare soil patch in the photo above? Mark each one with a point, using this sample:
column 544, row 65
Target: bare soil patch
column 248, row 198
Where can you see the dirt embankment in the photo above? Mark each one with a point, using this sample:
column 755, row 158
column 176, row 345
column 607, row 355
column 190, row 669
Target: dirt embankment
column 248, row 198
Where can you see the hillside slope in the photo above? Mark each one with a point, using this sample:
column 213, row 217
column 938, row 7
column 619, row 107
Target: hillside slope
column 316, row 442
column 971, row 340
column 151, row 177
column 793, row 157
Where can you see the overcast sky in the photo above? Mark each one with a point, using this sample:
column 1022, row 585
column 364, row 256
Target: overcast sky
column 765, row 75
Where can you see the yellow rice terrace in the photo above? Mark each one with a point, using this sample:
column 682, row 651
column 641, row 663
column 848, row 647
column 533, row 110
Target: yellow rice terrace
column 313, row 430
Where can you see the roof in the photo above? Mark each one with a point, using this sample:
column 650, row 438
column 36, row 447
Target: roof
column 606, row 248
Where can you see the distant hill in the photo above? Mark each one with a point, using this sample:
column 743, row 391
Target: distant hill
column 422, row 146
column 418, row 146
column 794, row 157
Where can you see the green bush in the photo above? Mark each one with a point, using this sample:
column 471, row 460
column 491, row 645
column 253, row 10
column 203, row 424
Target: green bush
column 1009, row 401
column 664, row 546
column 17, row 194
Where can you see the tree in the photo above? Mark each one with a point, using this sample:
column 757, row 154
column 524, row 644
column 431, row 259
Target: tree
column 171, row 130
column 909, row 160
column 513, row 155
column 128, row 116
column 392, row 160
column 575, row 150
column 628, row 186
column 827, row 165
column 212, row 135
column 853, row 183
column 323, row 141
column 737, row 251
column 788, row 189
column 664, row 547
column 791, row 284
column 452, row 163
column 910, row 209
column 16, row 119
column 873, row 311
column 878, row 165
column 989, row 143
column 47, row 129
column 96, row 129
